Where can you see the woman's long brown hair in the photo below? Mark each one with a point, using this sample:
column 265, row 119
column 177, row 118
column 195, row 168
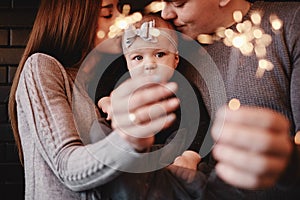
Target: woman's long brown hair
column 64, row 29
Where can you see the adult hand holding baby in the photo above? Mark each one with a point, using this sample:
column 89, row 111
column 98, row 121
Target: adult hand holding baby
column 138, row 111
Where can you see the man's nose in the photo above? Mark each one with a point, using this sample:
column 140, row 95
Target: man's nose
column 167, row 12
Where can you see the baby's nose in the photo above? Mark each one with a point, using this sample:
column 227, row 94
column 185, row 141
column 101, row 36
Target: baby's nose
column 150, row 67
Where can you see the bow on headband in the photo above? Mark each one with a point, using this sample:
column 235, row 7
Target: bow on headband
column 146, row 32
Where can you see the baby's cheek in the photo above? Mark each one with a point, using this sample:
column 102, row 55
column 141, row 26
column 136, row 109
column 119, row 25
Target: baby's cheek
column 135, row 72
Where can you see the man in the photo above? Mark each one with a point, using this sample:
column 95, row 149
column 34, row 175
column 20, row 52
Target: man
column 253, row 147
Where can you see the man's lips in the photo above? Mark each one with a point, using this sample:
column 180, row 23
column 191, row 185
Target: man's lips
column 179, row 27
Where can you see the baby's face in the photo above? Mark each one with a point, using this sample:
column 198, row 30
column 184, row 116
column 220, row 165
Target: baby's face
column 152, row 61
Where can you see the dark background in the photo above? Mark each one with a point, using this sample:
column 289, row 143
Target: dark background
column 16, row 20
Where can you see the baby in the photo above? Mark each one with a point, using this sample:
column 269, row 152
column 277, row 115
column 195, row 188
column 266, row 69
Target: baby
column 150, row 47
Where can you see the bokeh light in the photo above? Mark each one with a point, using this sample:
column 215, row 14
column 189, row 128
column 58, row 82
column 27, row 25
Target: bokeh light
column 248, row 37
column 234, row 104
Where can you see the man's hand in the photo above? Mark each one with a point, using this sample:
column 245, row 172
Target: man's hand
column 253, row 146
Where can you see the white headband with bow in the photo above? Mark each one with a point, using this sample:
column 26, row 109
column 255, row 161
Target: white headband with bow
column 146, row 32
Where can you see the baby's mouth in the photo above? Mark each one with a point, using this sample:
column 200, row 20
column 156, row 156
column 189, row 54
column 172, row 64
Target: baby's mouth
column 150, row 71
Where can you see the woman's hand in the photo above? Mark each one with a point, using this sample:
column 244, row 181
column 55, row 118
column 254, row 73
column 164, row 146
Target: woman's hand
column 140, row 109
column 253, row 146
column 105, row 105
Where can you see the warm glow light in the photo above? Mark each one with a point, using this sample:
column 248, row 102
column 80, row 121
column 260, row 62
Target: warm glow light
column 256, row 18
column 100, row 34
column 229, row 33
column 155, row 7
column 239, row 41
column 240, row 27
column 137, row 16
column 126, row 9
column 260, row 51
column 260, row 72
column 227, row 42
column 237, row 16
column 277, row 24
column 234, row 104
column 266, row 39
column 247, row 49
column 154, row 32
column 122, row 24
column 220, row 32
column 113, row 28
column 205, row 39
column 257, row 33
column 247, row 26
column 265, row 64
column 112, row 34
column 248, row 37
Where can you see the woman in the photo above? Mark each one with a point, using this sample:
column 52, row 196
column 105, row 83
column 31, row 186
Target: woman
column 51, row 141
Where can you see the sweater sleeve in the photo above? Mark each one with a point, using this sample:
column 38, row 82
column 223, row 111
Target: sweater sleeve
column 42, row 96
column 292, row 175
column 294, row 46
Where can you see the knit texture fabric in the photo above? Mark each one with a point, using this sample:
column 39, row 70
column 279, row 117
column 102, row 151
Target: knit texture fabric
column 53, row 132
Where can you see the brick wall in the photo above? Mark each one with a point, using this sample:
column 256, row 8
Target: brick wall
column 16, row 19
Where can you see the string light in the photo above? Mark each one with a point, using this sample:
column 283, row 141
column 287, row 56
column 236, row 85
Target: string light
column 155, row 7
column 263, row 65
column 123, row 21
column 234, row 104
column 205, row 39
column 256, row 18
column 126, row 9
column 248, row 37
column 237, row 16
column 101, row 34
column 275, row 22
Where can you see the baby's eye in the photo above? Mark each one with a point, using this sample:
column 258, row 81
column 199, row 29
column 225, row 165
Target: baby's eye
column 160, row 54
column 137, row 58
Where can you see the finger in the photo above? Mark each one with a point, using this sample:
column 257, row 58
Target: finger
column 173, row 168
column 179, row 161
column 146, row 114
column 185, row 174
column 176, row 170
column 143, row 97
column 104, row 102
column 254, row 139
column 254, row 116
column 258, row 164
column 149, row 96
column 147, row 130
column 131, row 85
column 240, row 179
column 108, row 116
